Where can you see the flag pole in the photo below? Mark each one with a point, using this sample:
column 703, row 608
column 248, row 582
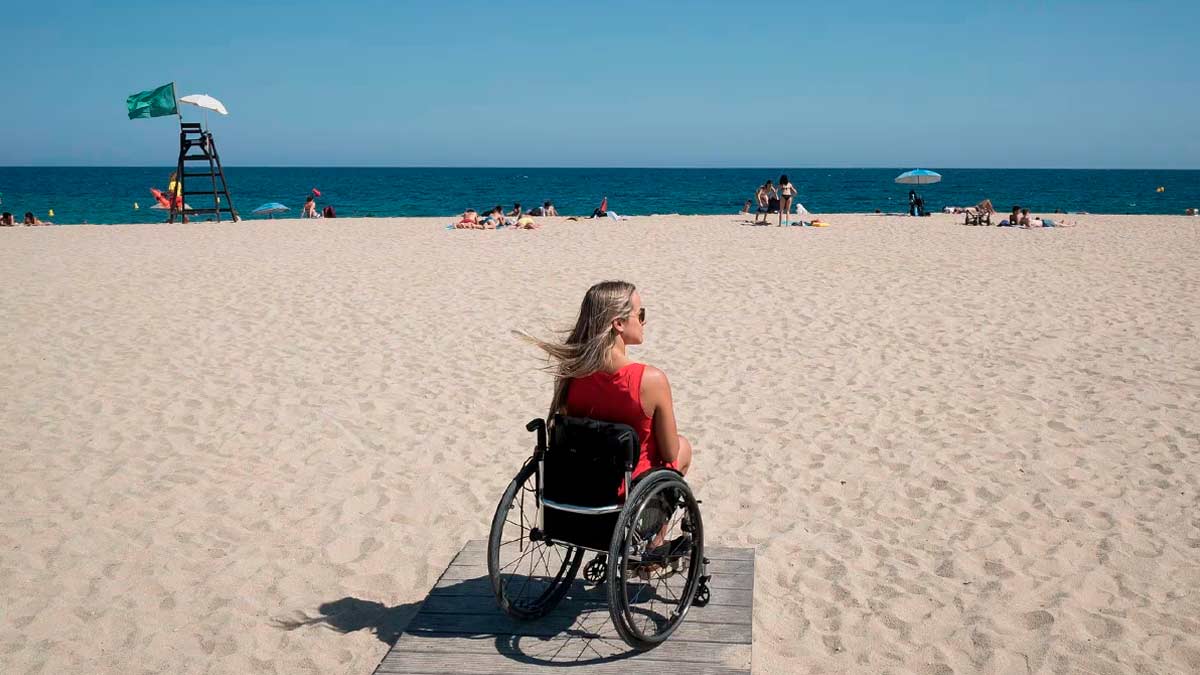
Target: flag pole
column 179, row 162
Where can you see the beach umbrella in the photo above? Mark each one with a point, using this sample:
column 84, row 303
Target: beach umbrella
column 270, row 209
column 918, row 177
column 207, row 103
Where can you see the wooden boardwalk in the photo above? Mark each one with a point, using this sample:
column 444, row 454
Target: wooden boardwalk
column 459, row 629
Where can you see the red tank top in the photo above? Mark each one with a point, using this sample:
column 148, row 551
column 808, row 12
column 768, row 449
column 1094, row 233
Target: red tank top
column 617, row 397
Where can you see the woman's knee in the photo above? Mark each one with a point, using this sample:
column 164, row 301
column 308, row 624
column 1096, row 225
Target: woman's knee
column 685, row 455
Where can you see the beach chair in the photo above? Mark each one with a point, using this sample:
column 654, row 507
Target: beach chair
column 577, row 494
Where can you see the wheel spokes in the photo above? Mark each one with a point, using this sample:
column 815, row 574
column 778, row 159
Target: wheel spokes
column 657, row 568
column 530, row 570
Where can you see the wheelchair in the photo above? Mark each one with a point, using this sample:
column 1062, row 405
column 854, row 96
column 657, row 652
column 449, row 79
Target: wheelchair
column 565, row 501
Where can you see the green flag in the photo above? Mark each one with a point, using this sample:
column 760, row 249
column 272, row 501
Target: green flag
column 153, row 103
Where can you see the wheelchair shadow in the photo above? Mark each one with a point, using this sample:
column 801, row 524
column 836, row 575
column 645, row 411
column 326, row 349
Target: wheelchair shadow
column 464, row 616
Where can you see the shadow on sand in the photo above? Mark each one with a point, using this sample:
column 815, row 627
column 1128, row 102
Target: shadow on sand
column 577, row 633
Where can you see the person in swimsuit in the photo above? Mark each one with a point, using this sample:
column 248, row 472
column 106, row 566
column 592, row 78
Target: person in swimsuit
column 526, row 222
column 175, row 190
column 469, row 221
column 786, row 192
column 764, row 195
column 493, row 219
column 594, row 376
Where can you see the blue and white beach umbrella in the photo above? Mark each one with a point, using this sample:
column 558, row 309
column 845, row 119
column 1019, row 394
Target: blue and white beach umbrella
column 269, row 209
column 919, row 177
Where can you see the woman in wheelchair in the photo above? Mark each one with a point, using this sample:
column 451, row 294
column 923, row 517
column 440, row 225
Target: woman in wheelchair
column 594, row 377
column 612, row 431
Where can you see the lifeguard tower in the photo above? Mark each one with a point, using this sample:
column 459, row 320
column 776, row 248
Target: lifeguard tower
column 196, row 145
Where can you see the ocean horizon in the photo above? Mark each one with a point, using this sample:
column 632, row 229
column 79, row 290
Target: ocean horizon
column 107, row 195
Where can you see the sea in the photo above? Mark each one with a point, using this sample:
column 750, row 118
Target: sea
column 101, row 195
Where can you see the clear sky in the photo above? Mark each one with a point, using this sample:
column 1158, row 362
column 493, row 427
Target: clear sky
column 723, row 84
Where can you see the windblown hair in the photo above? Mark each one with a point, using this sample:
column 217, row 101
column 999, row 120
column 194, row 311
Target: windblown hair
column 586, row 346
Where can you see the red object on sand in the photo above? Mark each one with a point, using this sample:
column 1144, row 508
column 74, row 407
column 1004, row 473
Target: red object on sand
column 604, row 204
column 316, row 192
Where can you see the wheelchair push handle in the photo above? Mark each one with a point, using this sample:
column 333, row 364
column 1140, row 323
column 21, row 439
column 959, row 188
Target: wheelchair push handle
column 539, row 425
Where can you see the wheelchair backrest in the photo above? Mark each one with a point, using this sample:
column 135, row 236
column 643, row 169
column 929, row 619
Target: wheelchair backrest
column 587, row 459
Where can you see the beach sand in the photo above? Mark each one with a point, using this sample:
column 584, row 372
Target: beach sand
column 954, row 449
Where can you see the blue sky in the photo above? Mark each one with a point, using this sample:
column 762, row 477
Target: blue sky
column 723, row 84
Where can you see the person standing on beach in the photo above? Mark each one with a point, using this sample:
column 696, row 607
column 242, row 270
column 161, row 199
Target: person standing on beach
column 764, row 195
column 595, row 378
column 175, row 190
column 786, row 192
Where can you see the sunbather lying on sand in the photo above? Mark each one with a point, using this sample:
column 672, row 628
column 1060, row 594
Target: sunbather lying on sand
column 493, row 219
column 525, row 222
column 469, row 221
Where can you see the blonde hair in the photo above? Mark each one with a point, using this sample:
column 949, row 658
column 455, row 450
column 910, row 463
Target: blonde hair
column 586, row 347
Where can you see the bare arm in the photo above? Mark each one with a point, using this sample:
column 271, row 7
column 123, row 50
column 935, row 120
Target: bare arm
column 656, row 402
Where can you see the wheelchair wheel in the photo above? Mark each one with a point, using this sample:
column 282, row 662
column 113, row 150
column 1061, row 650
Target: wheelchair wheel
column 655, row 562
column 529, row 574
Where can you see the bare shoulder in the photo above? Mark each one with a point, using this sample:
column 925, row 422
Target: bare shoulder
column 656, row 390
column 654, row 380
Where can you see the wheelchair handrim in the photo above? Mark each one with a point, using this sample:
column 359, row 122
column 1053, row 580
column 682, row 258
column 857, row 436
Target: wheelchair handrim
column 682, row 602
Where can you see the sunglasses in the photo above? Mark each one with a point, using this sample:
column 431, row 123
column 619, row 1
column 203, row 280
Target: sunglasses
column 642, row 315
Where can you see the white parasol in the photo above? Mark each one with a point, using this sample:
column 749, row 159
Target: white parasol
column 207, row 102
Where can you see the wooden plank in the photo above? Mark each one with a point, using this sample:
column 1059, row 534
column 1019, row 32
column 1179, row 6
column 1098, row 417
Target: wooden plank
column 487, row 664
column 740, row 597
column 712, row 552
column 482, row 624
column 577, row 652
column 449, row 604
column 473, row 568
column 723, row 581
column 459, row 629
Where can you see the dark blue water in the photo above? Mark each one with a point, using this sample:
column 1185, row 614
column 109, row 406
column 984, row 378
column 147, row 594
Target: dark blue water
column 107, row 195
